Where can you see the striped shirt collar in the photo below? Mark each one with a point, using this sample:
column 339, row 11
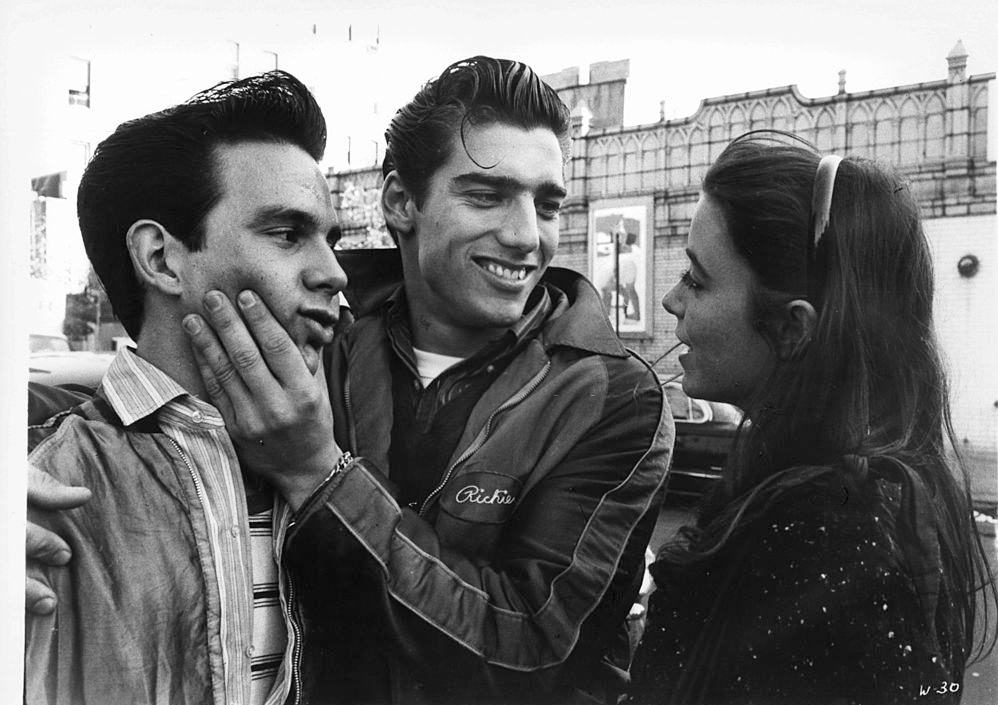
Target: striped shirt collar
column 136, row 389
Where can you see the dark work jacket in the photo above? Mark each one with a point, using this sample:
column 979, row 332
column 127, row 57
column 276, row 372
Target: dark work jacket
column 512, row 582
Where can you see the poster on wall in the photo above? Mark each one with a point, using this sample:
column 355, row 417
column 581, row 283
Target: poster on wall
column 620, row 256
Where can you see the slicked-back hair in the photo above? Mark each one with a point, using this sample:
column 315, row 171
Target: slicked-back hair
column 477, row 91
column 162, row 167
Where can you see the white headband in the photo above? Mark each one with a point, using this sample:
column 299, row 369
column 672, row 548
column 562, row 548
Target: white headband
column 821, row 197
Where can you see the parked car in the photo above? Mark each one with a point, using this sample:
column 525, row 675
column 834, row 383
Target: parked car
column 47, row 342
column 705, row 431
column 81, row 369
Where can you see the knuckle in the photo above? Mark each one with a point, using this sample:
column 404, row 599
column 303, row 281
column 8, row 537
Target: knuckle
column 276, row 343
column 41, row 544
column 224, row 373
column 284, row 418
column 245, row 359
column 213, row 385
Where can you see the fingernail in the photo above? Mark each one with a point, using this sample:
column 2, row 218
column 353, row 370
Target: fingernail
column 192, row 324
column 43, row 606
column 247, row 299
column 213, row 300
column 61, row 557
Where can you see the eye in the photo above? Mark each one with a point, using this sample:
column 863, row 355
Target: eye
column 333, row 237
column 688, row 281
column 549, row 210
column 285, row 235
column 484, row 199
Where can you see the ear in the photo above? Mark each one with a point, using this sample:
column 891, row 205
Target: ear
column 398, row 205
column 153, row 250
column 796, row 329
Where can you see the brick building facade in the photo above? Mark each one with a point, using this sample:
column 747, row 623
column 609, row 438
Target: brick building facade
column 935, row 132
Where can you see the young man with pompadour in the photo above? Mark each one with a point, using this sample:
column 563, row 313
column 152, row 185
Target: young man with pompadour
column 174, row 594
column 485, row 541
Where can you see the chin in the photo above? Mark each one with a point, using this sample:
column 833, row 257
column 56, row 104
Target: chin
column 312, row 355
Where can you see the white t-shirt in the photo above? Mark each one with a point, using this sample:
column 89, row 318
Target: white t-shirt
column 432, row 365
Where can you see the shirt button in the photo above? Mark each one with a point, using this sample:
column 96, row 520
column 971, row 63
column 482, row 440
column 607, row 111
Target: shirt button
column 197, row 416
column 249, row 651
column 490, row 369
column 234, row 532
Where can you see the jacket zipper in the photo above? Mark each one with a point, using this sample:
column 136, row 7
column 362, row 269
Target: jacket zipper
column 296, row 655
column 297, row 648
column 198, row 490
column 483, row 436
column 351, row 431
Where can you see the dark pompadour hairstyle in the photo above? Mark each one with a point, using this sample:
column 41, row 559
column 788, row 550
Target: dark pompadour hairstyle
column 161, row 167
column 479, row 90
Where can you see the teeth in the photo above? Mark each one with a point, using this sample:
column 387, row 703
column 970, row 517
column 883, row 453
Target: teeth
column 518, row 274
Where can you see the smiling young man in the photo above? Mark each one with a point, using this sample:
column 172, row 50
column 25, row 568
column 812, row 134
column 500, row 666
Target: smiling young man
column 173, row 593
column 484, row 542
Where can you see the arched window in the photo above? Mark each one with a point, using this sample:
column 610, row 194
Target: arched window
column 699, row 158
column 935, row 128
column 781, row 116
column 614, row 167
column 737, row 121
column 717, row 133
column 858, row 132
column 823, row 132
column 758, row 118
column 677, row 160
column 650, row 171
column 910, row 133
column 885, row 141
column 596, row 167
column 979, row 124
column 632, row 165
column 802, row 126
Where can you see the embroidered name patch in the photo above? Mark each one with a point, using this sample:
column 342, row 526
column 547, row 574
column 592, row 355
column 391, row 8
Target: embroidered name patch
column 484, row 497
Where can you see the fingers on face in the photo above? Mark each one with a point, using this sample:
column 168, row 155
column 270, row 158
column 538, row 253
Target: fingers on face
column 276, row 346
column 252, row 347
column 225, row 352
column 217, row 393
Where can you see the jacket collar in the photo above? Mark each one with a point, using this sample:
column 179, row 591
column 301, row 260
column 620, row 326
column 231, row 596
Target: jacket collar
column 577, row 321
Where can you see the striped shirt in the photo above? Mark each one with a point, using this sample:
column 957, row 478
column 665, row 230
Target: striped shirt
column 253, row 631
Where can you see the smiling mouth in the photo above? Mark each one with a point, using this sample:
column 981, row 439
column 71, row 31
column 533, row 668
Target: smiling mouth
column 507, row 272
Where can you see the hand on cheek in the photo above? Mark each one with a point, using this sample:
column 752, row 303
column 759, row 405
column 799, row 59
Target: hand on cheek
column 275, row 407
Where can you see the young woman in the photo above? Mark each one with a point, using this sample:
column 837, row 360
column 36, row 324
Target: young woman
column 837, row 560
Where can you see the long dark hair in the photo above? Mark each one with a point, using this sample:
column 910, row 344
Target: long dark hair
column 867, row 394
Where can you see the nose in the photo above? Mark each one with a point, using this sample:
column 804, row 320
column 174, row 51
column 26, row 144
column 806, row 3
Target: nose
column 323, row 271
column 673, row 301
column 520, row 231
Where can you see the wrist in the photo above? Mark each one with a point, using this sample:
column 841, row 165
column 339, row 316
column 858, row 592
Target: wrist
column 303, row 486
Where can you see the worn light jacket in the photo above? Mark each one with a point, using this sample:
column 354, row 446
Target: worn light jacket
column 511, row 581
column 141, row 615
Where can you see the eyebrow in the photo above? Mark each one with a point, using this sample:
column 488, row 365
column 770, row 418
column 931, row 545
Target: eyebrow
column 270, row 214
column 696, row 262
column 507, row 184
